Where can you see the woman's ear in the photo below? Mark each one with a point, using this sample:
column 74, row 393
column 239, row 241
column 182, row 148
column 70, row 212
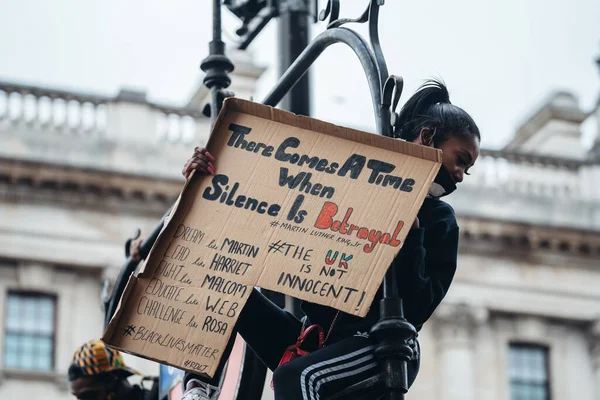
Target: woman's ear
column 426, row 137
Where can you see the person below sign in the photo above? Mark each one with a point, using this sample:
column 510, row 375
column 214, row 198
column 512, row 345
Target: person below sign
column 425, row 267
column 99, row 373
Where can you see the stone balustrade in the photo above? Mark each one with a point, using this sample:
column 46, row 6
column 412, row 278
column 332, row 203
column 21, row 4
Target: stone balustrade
column 536, row 175
column 531, row 189
column 124, row 133
column 60, row 111
column 52, row 110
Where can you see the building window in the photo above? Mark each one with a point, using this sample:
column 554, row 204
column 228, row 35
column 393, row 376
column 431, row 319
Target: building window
column 528, row 372
column 29, row 332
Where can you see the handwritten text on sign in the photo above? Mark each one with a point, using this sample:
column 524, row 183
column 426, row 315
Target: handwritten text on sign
column 297, row 206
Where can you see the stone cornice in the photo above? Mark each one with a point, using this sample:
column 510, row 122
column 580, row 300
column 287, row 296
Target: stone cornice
column 22, row 180
column 545, row 160
column 520, row 236
column 52, row 181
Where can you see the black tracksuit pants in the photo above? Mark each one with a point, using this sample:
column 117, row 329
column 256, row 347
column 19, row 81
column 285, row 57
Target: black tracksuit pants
column 269, row 330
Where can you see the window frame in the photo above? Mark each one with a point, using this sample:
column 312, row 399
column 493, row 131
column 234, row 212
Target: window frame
column 547, row 365
column 36, row 294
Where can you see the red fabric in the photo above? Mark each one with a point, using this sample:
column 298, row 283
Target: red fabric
column 294, row 351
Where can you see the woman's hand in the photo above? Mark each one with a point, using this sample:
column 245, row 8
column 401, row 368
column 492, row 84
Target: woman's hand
column 201, row 160
column 134, row 249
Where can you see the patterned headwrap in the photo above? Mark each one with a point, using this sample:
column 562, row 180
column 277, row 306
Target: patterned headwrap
column 94, row 358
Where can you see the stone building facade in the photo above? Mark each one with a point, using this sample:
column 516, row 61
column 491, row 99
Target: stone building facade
column 80, row 172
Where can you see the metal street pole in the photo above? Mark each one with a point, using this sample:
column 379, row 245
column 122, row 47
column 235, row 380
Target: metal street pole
column 216, row 66
column 294, row 35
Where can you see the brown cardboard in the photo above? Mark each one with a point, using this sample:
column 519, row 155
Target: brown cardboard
column 182, row 306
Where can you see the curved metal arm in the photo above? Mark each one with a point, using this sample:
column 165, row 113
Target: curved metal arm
column 370, row 56
column 377, row 50
column 312, row 52
column 333, row 8
column 370, row 15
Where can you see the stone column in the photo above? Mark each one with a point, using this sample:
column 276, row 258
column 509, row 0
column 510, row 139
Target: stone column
column 456, row 325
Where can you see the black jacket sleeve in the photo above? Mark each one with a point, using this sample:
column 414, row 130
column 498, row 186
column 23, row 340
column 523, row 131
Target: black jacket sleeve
column 427, row 263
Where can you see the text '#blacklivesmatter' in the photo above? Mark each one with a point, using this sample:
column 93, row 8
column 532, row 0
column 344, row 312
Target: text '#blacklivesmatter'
column 229, row 193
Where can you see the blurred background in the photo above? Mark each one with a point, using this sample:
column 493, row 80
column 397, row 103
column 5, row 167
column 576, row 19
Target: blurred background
column 101, row 104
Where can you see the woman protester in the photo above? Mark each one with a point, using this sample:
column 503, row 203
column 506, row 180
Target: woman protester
column 425, row 268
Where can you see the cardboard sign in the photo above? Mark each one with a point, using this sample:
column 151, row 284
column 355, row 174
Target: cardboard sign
column 297, row 206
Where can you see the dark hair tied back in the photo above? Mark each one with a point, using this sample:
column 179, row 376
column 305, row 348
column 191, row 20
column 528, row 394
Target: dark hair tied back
column 430, row 108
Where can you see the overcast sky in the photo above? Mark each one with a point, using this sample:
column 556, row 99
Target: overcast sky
column 499, row 58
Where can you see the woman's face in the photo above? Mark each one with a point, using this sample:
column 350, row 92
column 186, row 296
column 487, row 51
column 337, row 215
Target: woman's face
column 459, row 155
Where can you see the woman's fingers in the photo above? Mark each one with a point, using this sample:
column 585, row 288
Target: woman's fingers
column 205, row 163
column 202, row 152
column 135, row 249
column 203, row 166
column 199, row 161
column 187, row 169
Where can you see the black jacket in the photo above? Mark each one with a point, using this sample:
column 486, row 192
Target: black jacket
column 425, row 267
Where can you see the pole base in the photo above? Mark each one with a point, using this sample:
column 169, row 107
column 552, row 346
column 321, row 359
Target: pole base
column 392, row 334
